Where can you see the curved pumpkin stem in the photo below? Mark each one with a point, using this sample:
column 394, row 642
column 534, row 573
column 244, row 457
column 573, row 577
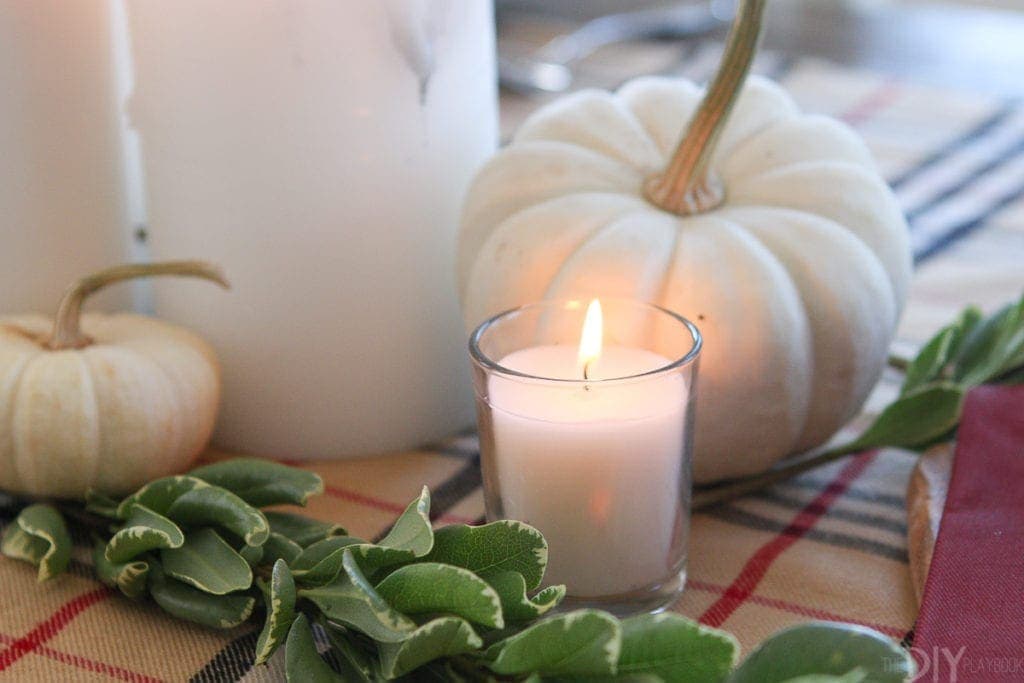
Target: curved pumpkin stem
column 67, row 332
column 687, row 186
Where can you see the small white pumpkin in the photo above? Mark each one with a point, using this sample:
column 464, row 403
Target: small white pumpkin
column 104, row 402
column 770, row 229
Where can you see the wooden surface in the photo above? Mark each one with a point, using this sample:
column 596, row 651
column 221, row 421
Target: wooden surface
column 926, row 496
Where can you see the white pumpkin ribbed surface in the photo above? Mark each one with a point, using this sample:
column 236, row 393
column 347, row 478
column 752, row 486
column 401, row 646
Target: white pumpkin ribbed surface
column 138, row 404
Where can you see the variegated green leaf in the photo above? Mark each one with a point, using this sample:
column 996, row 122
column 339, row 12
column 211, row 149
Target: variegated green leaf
column 278, row 547
column 442, row 637
column 585, row 644
column 994, row 347
column 280, row 612
column 185, row 602
column 301, row 529
column 99, row 504
column 935, row 359
column 501, row 546
column 372, row 557
column 39, row 536
column 515, row 604
column 321, row 561
column 412, row 531
column 676, row 649
column 931, row 361
column 432, row 588
column 206, row 561
column 128, row 577
column 303, row 664
column 857, row 675
column 357, row 665
column 352, row 601
column 262, row 482
column 826, row 649
column 253, row 554
column 159, row 494
column 213, row 506
column 17, row 544
column 144, row 530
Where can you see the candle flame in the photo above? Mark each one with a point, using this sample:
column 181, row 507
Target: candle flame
column 591, row 337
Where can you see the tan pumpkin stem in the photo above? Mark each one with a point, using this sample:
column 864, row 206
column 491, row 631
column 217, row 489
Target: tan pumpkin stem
column 687, row 186
column 67, row 332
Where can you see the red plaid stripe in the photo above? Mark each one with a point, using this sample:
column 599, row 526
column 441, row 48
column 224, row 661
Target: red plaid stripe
column 794, row 608
column 91, row 665
column 51, row 626
column 743, row 586
column 386, row 506
column 874, row 103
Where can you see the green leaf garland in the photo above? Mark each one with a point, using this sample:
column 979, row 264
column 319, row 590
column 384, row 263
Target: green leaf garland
column 457, row 604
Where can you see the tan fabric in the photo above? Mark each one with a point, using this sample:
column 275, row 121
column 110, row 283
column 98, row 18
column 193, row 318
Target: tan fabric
column 829, row 545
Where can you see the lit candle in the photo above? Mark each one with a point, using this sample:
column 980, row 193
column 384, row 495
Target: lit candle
column 594, row 458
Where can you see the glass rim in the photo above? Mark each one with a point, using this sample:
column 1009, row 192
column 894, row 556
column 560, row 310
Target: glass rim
column 488, row 363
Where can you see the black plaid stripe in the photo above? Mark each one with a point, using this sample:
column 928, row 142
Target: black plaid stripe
column 740, row 517
column 780, row 499
column 780, row 496
column 232, row 663
column 455, row 489
column 856, row 492
column 936, row 157
column 966, row 181
column 934, row 222
column 964, row 228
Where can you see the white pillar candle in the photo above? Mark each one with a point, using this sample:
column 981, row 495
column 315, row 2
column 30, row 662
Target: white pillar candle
column 319, row 151
column 595, row 467
column 61, row 201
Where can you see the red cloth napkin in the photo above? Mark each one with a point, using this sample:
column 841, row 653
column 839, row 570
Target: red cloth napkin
column 971, row 625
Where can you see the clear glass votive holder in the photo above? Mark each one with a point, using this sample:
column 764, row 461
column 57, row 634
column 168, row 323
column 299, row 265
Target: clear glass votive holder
column 594, row 451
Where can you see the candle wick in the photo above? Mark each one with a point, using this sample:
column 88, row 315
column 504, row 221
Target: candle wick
column 586, row 369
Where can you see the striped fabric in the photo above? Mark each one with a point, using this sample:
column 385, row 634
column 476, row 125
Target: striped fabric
column 827, row 545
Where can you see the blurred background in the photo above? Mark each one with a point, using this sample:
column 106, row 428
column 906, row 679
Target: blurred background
column 934, row 87
column 554, row 45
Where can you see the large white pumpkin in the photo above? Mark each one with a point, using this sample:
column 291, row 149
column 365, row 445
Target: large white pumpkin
column 796, row 279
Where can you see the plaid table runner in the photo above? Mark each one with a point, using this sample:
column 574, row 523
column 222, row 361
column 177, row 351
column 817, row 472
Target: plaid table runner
column 828, row 545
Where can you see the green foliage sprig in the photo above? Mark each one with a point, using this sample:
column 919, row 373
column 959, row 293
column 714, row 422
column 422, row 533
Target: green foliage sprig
column 456, row 604
column 968, row 352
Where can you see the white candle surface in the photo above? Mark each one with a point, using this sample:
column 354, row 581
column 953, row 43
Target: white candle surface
column 595, row 467
column 61, row 191
column 319, row 152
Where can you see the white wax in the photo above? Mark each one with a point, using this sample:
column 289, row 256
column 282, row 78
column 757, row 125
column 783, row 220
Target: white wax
column 597, row 469
column 318, row 151
column 61, row 199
